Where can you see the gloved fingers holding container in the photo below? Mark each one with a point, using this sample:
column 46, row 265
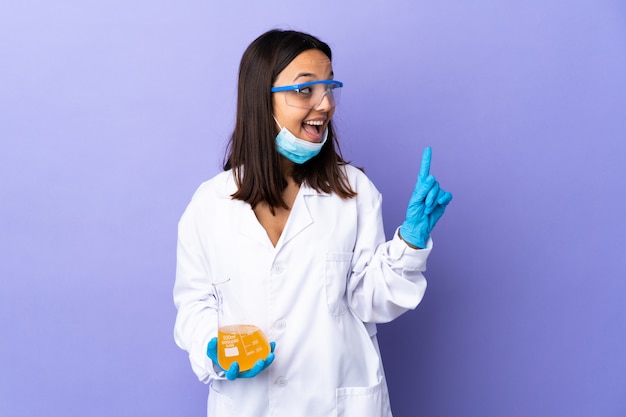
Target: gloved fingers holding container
column 233, row 371
column 426, row 206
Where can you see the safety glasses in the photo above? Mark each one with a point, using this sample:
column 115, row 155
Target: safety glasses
column 310, row 95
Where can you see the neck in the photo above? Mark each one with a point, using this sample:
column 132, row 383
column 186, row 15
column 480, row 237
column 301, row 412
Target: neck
column 286, row 166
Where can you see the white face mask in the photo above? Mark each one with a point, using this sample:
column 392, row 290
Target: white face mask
column 295, row 149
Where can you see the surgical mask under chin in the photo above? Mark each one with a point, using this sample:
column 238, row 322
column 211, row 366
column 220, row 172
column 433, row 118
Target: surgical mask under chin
column 295, row 149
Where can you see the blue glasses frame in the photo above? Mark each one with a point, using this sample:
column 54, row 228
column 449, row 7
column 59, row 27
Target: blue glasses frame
column 298, row 87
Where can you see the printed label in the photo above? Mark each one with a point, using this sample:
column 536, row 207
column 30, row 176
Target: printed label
column 229, row 352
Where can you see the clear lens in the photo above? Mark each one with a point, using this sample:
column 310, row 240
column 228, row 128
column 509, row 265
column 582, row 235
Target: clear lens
column 311, row 95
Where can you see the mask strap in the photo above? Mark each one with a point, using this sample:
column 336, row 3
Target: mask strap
column 276, row 120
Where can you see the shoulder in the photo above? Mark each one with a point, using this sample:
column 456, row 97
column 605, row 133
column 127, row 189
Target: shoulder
column 221, row 185
column 210, row 198
column 212, row 194
column 359, row 180
column 367, row 198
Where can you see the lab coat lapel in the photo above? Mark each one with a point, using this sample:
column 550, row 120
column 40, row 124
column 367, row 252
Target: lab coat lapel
column 300, row 217
column 250, row 227
column 243, row 216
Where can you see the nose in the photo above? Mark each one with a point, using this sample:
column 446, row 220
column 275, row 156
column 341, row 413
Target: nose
column 326, row 103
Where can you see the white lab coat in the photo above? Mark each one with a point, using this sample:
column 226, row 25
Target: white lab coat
column 317, row 294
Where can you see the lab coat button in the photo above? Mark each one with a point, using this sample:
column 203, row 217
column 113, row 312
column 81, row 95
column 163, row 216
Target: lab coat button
column 280, row 324
column 277, row 270
column 281, row 381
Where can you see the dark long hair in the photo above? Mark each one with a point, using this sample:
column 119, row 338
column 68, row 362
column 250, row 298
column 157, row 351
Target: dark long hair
column 251, row 151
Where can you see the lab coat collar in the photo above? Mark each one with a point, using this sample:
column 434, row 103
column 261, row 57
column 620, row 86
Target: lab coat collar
column 250, row 228
column 299, row 218
column 305, row 189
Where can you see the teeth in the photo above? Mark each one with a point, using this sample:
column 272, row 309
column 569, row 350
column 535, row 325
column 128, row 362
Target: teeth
column 314, row 122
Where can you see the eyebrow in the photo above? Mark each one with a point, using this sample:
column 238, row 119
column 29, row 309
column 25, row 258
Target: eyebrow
column 308, row 74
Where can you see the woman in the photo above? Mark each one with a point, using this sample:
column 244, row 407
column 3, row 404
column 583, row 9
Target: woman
column 299, row 233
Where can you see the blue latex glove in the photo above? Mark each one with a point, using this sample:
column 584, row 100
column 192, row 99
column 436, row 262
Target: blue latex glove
column 426, row 206
column 233, row 372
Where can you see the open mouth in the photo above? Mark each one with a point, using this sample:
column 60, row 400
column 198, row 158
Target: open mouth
column 313, row 129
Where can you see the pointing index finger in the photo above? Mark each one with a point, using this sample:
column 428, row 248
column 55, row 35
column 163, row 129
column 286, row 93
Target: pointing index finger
column 425, row 165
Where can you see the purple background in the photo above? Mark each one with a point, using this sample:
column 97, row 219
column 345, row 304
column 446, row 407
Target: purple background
column 113, row 112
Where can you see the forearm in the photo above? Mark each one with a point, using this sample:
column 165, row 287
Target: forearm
column 390, row 284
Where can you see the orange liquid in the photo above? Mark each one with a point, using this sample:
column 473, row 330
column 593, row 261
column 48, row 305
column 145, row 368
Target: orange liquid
column 243, row 343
